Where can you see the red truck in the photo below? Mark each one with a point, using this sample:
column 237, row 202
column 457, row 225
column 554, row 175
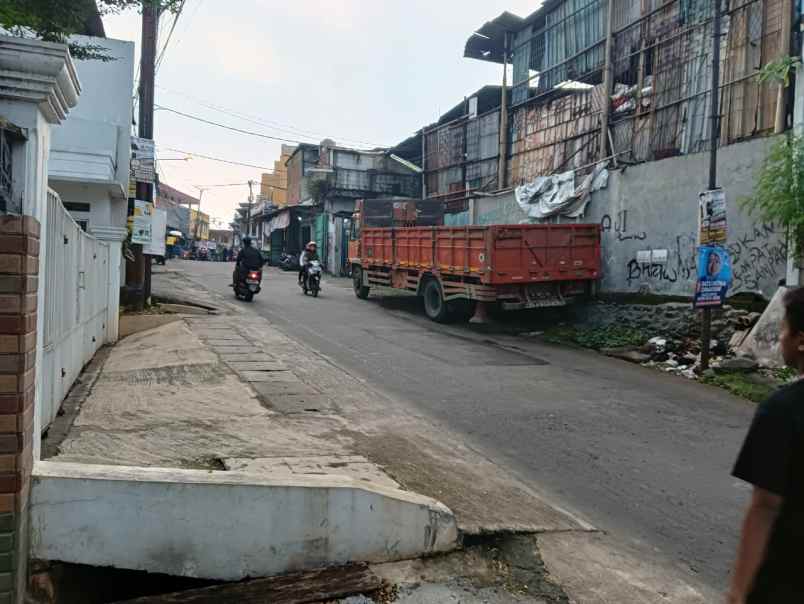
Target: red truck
column 402, row 244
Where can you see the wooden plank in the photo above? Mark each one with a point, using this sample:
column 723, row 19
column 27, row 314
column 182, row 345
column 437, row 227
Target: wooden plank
column 297, row 588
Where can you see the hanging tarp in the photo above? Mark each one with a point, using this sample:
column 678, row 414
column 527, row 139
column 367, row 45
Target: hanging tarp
column 557, row 194
column 280, row 221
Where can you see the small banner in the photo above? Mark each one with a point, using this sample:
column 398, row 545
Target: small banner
column 712, row 218
column 714, row 276
column 142, row 160
column 140, row 223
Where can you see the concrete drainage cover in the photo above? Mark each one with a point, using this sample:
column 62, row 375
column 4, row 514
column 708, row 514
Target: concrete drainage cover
column 268, row 390
column 257, row 366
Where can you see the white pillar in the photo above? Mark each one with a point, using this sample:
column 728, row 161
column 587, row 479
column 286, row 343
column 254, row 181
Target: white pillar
column 38, row 86
column 114, row 236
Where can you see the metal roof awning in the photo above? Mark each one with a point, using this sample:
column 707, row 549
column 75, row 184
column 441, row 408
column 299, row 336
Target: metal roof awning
column 488, row 42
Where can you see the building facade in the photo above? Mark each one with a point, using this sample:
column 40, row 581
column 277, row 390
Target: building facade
column 274, row 185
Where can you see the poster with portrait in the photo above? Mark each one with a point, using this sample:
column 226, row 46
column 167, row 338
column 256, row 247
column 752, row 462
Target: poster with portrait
column 714, row 276
column 140, row 222
column 712, row 217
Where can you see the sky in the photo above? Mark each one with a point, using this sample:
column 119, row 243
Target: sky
column 361, row 72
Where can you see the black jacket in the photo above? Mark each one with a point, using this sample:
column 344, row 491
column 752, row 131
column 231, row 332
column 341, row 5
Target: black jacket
column 250, row 258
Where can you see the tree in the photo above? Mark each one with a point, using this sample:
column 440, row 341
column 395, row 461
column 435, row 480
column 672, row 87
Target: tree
column 779, row 191
column 57, row 20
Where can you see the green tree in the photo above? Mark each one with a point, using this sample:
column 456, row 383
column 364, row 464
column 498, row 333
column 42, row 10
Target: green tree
column 57, row 20
column 779, row 191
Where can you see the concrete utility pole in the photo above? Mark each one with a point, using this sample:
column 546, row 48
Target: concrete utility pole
column 145, row 191
column 248, row 212
column 706, row 327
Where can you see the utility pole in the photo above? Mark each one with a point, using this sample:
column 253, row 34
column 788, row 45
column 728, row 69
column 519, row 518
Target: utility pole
column 145, row 191
column 248, row 212
column 706, row 327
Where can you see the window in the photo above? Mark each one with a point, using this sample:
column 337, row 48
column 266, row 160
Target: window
column 5, row 171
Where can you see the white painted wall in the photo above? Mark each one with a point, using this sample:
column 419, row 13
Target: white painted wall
column 226, row 525
column 93, row 144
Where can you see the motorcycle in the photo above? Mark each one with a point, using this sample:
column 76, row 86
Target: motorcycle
column 312, row 279
column 248, row 285
column 288, row 262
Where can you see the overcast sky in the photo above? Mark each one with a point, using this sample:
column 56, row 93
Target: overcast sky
column 356, row 71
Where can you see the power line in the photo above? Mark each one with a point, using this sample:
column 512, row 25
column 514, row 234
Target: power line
column 269, row 123
column 232, row 128
column 170, row 34
column 219, row 159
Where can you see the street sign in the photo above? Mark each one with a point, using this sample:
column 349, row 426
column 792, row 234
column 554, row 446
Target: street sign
column 712, row 218
column 142, row 160
column 714, row 276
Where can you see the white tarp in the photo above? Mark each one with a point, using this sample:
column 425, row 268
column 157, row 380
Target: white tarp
column 557, row 194
column 280, row 221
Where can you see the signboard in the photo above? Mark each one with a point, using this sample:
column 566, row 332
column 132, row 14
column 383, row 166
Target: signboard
column 140, row 222
column 712, row 217
column 158, row 226
column 714, row 276
column 142, row 159
column 212, row 245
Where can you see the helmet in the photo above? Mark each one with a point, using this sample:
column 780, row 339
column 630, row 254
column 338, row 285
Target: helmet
column 246, row 240
column 312, row 244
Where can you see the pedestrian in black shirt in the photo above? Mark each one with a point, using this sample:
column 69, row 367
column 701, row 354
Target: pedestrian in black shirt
column 769, row 567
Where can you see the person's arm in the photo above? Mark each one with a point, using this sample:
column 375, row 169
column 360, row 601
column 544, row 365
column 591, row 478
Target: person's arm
column 757, row 526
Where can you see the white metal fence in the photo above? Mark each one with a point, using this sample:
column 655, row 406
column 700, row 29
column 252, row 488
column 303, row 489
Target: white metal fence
column 76, row 282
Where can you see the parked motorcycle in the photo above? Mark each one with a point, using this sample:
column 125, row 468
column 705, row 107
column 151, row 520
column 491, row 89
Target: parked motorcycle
column 312, row 279
column 288, row 262
column 248, row 285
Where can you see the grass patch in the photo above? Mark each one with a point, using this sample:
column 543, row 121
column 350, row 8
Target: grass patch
column 612, row 336
column 741, row 384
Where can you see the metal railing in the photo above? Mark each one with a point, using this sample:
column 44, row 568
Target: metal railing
column 76, row 296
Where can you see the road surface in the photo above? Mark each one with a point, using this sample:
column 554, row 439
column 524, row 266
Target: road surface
column 639, row 454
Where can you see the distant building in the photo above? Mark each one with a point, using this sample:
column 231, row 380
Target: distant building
column 199, row 225
column 223, row 237
column 274, row 185
column 177, row 205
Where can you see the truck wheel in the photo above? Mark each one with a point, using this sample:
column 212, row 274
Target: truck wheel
column 434, row 305
column 361, row 291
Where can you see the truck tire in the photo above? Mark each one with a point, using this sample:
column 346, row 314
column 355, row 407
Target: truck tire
column 361, row 291
column 435, row 307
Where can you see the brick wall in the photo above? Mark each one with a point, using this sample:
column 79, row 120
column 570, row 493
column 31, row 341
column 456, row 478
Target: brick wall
column 19, row 267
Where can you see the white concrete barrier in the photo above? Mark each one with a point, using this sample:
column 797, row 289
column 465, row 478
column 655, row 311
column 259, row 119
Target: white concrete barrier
column 225, row 525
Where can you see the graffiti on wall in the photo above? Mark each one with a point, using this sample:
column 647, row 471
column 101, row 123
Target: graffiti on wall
column 619, row 225
column 756, row 256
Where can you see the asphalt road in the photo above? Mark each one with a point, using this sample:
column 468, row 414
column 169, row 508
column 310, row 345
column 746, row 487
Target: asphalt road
column 642, row 455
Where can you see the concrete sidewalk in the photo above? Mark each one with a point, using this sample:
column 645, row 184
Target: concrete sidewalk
column 232, row 392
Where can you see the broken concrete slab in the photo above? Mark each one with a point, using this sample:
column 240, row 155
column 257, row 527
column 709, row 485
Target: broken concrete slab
column 171, row 521
column 632, row 355
column 763, row 340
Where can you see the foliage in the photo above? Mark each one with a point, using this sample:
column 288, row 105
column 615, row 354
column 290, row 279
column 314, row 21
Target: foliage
column 612, row 336
column 57, row 20
column 779, row 190
column 779, row 71
column 785, row 374
column 741, row 384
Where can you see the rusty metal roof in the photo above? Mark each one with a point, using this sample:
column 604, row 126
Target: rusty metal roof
column 488, row 42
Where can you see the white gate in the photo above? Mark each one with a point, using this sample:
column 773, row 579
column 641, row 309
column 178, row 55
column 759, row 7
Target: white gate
column 76, row 282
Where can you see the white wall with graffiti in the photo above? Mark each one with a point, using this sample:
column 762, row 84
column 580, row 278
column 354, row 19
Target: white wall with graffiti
column 649, row 220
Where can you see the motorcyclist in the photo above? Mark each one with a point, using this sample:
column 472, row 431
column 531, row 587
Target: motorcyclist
column 249, row 258
column 309, row 254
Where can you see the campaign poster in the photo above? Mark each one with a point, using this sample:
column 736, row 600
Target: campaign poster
column 712, row 218
column 714, row 276
column 142, row 159
column 141, row 222
column 156, row 247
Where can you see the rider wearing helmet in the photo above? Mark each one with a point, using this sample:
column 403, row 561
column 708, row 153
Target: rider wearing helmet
column 249, row 258
column 309, row 254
